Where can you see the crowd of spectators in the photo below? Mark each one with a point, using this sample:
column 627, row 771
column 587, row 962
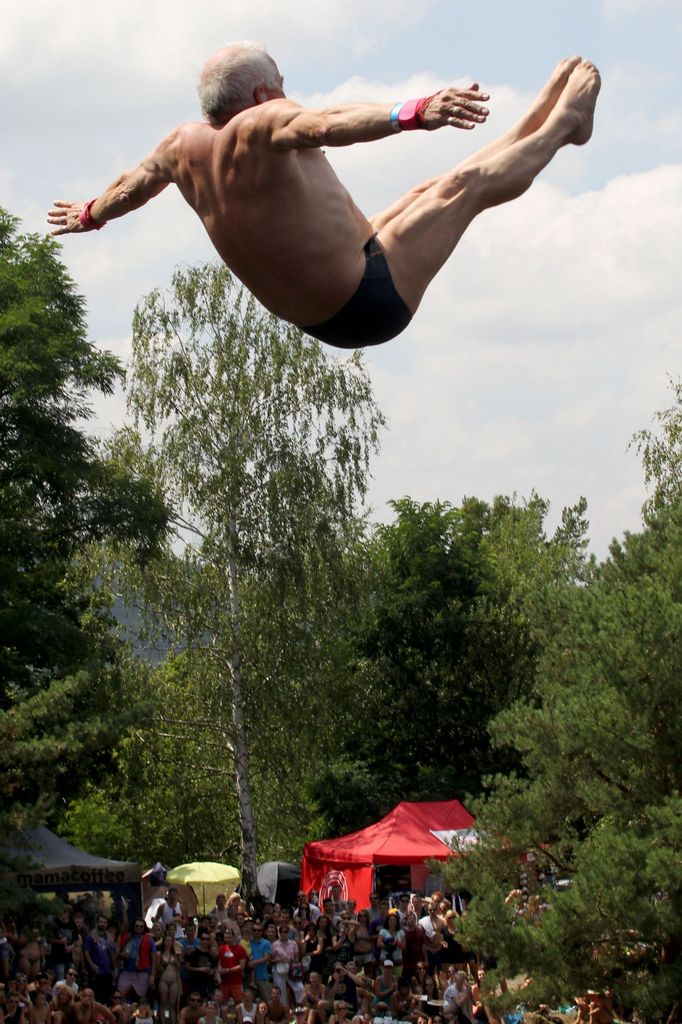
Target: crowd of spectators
column 315, row 963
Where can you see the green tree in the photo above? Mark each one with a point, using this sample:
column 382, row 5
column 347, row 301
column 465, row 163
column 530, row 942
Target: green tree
column 59, row 493
column 262, row 444
column 598, row 802
column 443, row 643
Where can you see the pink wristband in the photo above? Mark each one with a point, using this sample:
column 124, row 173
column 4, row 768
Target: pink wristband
column 87, row 220
column 411, row 116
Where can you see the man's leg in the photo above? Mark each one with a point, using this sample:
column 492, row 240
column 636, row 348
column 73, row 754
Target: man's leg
column 531, row 121
column 419, row 239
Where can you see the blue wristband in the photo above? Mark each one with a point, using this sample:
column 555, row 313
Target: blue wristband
column 395, row 113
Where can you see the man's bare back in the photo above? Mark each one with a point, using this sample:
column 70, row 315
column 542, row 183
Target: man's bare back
column 281, row 220
column 271, row 211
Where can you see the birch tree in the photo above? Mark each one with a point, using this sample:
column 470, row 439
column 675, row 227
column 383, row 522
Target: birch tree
column 262, row 444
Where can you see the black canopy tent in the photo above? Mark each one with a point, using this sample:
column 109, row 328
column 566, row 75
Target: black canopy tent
column 279, row 882
column 53, row 865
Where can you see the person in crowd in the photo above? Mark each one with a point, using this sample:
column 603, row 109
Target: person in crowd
column 415, row 945
column 342, row 942
column 457, row 999
column 314, row 995
column 234, row 902
column 142, row 1014
column 401, row 1002
column 391, row 942
column 328, row 910
column 170, row 911
column 60, row 1005
column 339, row 1012
column 378, row 920
column 219, row 912
column 434, row 994
column 31, row 955
column 246, row 936
column 601, row 1007
column 166, row 970
column 39, row 1009
column 418, row 983
column 480, row 1010
column 136, row 958
column 403, row 907
column 69, row 981
column 247, row 1009
column 277, row 1009
column 304, row 902
column 202, row 964
column 87, row 1010
column 385, row 985
column 311, row 950
column 44, row 983
column 259, row 960
column 211, row 1013
column 188, row 942
column 373, row 910
column 193, row 1011
column 325, row 951
column 121, row 1010
column 453, row 953
column 14, row 1011
column 432, row 924
column 342, row 986
column 78, row 952
column 232, row 960
column 287, row 966
column 7, row 955
column 262, row 1012
column 363, row 942
column 100, row 960
column 61, row 942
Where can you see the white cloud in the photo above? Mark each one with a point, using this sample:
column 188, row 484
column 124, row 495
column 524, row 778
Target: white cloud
column 540, row 348
column 627, row 8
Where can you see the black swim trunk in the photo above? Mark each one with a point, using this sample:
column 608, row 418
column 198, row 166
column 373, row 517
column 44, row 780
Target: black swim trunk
column 376, row 313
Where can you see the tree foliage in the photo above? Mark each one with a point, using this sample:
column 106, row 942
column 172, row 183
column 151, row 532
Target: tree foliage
column 58, row 494
column 261, row 443
column 443, row 642
column 598, row 801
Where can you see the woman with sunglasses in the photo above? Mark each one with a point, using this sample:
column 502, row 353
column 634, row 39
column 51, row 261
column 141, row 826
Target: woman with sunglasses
column 287, row 970
column 14, row 1011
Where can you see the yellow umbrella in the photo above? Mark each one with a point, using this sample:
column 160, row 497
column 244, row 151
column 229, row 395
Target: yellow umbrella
column 212, row 877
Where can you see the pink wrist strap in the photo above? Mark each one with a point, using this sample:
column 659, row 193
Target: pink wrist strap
column 87, row 220
column 411, row 116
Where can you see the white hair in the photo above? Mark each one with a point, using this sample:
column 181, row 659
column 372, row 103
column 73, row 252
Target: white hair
column 229, row 77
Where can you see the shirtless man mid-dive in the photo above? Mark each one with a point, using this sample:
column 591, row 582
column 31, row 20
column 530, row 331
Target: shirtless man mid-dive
column 255, row 173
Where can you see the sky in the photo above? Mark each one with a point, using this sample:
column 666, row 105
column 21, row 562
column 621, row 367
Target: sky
column 552, row 333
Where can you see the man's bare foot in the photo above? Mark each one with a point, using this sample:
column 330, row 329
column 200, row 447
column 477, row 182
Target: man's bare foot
column 579, row 99
column 548, row 97
column 534, row 118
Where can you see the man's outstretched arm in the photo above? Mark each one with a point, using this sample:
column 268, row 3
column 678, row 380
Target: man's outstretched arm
column 129, row 192
column 294, row 127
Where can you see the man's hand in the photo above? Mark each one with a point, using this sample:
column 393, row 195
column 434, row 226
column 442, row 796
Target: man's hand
column 65, row 214
column 458, row 108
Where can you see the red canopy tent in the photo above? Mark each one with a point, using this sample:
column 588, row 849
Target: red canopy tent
column 408, row 835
